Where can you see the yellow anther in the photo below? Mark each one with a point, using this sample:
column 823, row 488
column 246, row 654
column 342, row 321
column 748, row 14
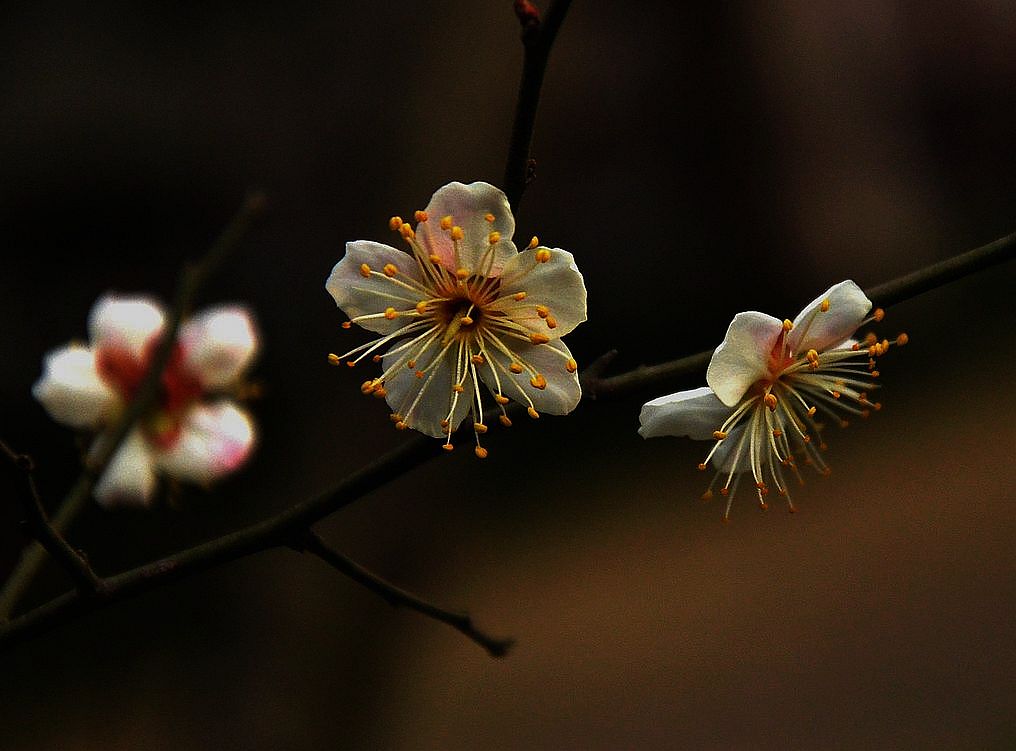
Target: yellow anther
column 477, row 360
column 347, row 324
column 702, row 467
column 542, row 255
column 418, row 374
column 551, row 322
column 421, row 307
column 447, row 447
column 421, row 216
column 571, row 366
column 400, row 425
column 777, row 432
column 334, row 359
column 519, row 296
column 458, row 388
column 725, row 491
column 391, row 269
column 515, row 368
column 760, row 485
column 812, row 411
column 835, row 394
column 407, row 232
column 380, row 392
column 812, row 355
column 855, row 346
column 395, row 417
column 870, row 338
column 395, row 222
column 462, row 274
column 877, row 406
column 480, row 452
column 533, row 413
column 411, row 364
column 376, row 358
column 364, row 271
column 367, row 387
column 505, row 420
column 457, row 233
column 824, row 307
column 538, row 382
column 533, row 243
column 770, row 401
column 542, row 311
column 494, row 238
column 391, row 314
column 489, row 217
column 539, row 338
column 351, row 363
column 875, row 374
column 879, row 314
column 466, row 321
column 787, row 324
column 479, row 427
column 501, row 399
column 902, row 339
column 807, row 439
column 444, row 424
column 446, row 222
column 434, row 258
column 719, row 435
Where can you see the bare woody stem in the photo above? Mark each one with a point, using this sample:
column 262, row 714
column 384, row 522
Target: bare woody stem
column 192, row 280
column 288, row 529
column 537, row 39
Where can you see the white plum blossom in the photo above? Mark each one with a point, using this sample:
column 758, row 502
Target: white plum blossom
column 769, row 381
column 195, row 432
column 462, row 307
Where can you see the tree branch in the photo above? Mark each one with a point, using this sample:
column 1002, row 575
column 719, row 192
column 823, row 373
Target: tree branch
column 397, row 597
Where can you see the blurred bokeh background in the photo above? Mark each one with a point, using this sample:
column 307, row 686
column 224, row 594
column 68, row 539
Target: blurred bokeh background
column 698, row 159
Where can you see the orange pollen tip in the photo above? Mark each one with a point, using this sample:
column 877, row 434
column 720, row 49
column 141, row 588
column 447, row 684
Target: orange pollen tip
column 421, row 216
column 489, row 218
column 400, row 425
column 395, row 417
column 865, row 414
column 347, row 325
column 844, row 423
column 725, row 491
column 446, row 222
column 418, row 374
column 444, row 424
column 877, row 406
column 351, row 363
column 421, row 307
column 533, row 243
column 542, row 311
column 364, row 271
column 391, row 314
column 855, row 346
column 479, row 427
column 824, row 307
column 702, row 467
column 501, row 399
column 875, row 374
column 515, row 368
column 457, row 388
column 707, row 496
column 519, row 296
column 777, row 432
column 760, row 485
column 787, row 324
column 539, row 338
column 494, row 238
column 812, row 411
column 533, row 413
column 477, row 360
column 366, row 387
column 457, row 233
column 571, row 366
column 551, row 322
column 407, row 232
column 902, row 339
column 807, row 439
column 466, row 321
column 538, row 382
column 395, row 222
column 334, row 359
column 480, row 452
column 462, row 274
column 435, row 259
column 447, row 446
column 380, row 392
column 812, row 355
column 411, row 364
column 879, row 314
column 835, row 394
column 542, row 255
column 770, row 401
column 505, row 420
column 391, row 269
column 376, row 358
column 719, row 435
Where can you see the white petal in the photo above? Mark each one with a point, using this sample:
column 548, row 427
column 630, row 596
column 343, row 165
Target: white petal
column 71, row 390
column 128, row 324
column 358, row 295
column 556, row 284
column 129, row 479
column 562, row 393
column 219, row 344
column 434, row 403
column 848, row 307
column 216, row 439
column 468, row 206
column 695, row 413
column 743, row 357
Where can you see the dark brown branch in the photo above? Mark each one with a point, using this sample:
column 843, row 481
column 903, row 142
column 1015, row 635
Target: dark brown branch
column 68, row 558
column 192, row 280
column 283, row 529
column 537, row 39
column 397, row 597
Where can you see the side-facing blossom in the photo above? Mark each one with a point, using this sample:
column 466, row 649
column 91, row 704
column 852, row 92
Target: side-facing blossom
column 462, row 307
column 195, row 432
column 769, row 383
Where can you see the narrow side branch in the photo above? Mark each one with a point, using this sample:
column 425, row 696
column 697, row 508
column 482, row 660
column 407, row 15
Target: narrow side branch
column 397, row 597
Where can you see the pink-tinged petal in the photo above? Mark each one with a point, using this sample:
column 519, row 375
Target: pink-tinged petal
column 125, row 324
column 219, row 344
column 71, row 390
column 695, row 413
column 555, row 286
column 743, row 357
column 818, row 330
column 215, row 439
column 468, row 206
column 359, row 295
column 423, row 402
column 129, row 479
column 562, row 392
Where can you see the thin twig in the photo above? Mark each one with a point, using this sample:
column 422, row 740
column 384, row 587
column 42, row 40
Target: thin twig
column 191, row 281
column 397, row 597
column 537, row 39
column 281, row 529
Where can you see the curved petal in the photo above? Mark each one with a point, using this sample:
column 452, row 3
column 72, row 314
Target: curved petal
column 743, row 357
column 556, row 285
column 425, row 401
column 468, row 206
column 216, row 439
column 219, row 344
column 125, row 324
column 71, row 390
column 818, row 330
column 695, row 413
column 129, row 479
column 562, row 392
column 358, row 295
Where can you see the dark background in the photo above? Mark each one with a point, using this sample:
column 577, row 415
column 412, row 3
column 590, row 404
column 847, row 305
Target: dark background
column 697, row 160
